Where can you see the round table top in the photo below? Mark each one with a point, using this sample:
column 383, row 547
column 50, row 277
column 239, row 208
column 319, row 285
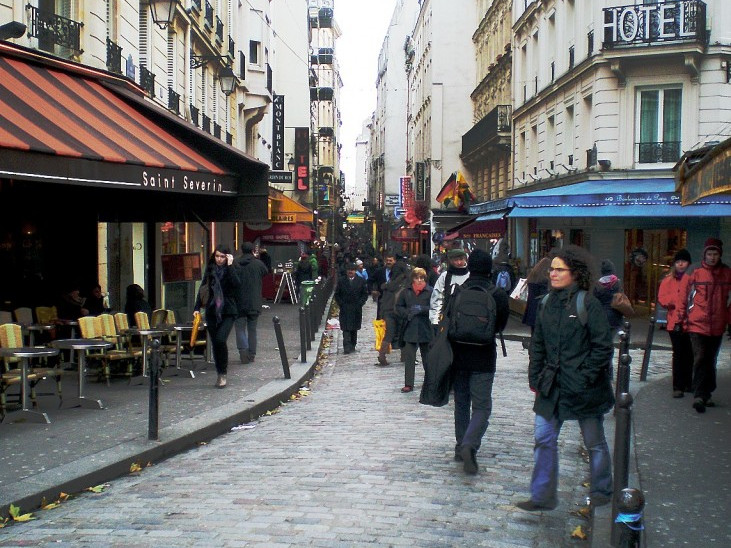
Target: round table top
column 151, row 331
column 187, row 326
column 80, row 344
column 39, row 327
column 29, row 352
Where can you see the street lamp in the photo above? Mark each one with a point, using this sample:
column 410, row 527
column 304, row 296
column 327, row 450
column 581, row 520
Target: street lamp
column 226, row 76
column 163, row 12
column 14, row 29
column 290, row 163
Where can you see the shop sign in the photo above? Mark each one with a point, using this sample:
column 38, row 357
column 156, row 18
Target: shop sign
column 392, row 200
column 280, row 177
column 654, row 22
column 708, row 178
column 283, row 218
column 278, row 132
column 198, row 183
column 302, row 157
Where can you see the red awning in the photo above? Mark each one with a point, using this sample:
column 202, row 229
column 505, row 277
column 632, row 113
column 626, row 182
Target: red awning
column 479, row 230
column 282, row 233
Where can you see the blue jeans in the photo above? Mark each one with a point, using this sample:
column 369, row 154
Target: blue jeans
column 245, row 327
column 472, row 389
column 544, row 482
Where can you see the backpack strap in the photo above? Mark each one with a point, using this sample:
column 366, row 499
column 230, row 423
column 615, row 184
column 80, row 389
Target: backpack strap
column 581, row 312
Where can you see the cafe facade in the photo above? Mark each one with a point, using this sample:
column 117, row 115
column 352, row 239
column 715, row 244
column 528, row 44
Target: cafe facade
column 97, row 182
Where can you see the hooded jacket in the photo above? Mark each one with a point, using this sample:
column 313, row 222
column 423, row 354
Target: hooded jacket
column 251, row 272
column 669, row 296
column 704, row 306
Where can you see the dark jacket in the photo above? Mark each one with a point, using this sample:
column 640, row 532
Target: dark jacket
column 482, row 358
column 134, row 306
column 351, row 296
column 604, row 292
column 231, row 289
column 583, row 353
column 251, row 271
column 536, row 290
column 413, row 310
column 303, row 271
column 398, row 279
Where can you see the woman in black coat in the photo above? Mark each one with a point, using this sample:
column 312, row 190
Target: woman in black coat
column 412, row 308
column 220, row 296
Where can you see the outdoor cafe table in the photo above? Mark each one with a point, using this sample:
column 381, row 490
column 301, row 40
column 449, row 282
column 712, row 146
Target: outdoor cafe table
column 25, row 353
column 34, row 328
column 145, row 335
column 81, row 346
column 185, row 330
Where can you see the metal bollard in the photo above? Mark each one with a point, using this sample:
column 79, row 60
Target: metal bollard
column 308, row 323
column 629, row 522
column 622, row 431
column 303, row 335
column 623, row 374
column 314, row 323
column 154, row 406
column 282, row 349
column 648, row 349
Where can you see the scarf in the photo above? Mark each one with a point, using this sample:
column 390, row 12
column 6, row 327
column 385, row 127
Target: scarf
column 218, row 273
column 457, row 271
column 418, row 286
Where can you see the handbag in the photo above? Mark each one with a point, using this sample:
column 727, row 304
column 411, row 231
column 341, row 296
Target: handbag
column 204, row 294
column 437, row 377
column 620, row 303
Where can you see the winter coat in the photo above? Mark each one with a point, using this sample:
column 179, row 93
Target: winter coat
column 604, row 291
column 669, row 295
column 437, row 296
column 536, row 290
column 583, row 352
column 315, row 266
column 398, row 279
column 482, row 358
column 251, row 271
column 705, row 303
column 351, row 296
column 415, row 322
column 231, row 289
column 303, row 271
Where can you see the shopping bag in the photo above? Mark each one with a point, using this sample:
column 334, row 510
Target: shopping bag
column 379, row 326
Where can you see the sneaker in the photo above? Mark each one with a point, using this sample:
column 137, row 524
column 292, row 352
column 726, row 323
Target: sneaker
column 677, row 393
column 530, row 506
column 252, row 358
column 221, row 381
column 699, row 405
column 470, row 461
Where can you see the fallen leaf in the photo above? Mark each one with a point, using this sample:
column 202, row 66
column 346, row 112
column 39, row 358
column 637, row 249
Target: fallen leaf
column 51, row 506
column 135, row 467
column 585, row 484
column 578, row 533
column 17, row 516
column 97, row 488
column 584, row 512
column 63, row 496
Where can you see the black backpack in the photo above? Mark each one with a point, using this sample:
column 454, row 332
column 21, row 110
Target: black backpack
column 473, row 315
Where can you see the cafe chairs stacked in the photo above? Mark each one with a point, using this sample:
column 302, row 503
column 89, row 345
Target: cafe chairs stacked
column 200, row 342
column 23, row 315
column 11, row 336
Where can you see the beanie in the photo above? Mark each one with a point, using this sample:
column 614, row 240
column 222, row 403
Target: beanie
column 713, row 243
column 247, row 247
column 607, row 267
column 682, row 255
column 480, row 262
column 456, row 253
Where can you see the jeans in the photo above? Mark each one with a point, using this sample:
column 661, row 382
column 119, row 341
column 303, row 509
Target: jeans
column 219, row 332
column 409, row 353
column 246, row 332
column 705, row 352
column 472, row 389
column 544, row 481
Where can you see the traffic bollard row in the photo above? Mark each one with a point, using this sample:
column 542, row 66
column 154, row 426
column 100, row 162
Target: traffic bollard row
column 648, row 349
column 153, row 419
column 282, row 349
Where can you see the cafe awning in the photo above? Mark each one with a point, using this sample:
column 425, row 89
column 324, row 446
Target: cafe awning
column 483, row 227
column 69, row 125
column 283, row 209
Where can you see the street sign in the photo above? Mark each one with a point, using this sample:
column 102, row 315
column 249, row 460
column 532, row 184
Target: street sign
column 399, row 212
column 392, row 200
column 280, row 177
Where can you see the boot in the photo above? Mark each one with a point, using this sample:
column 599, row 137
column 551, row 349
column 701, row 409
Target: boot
column 221, row 381
column 244, row 356
column 382, row 358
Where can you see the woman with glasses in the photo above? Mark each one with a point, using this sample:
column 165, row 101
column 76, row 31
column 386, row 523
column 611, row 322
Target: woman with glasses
column 569, row 368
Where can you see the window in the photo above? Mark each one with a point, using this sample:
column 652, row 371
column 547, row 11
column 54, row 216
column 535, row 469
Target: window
column 254, row 50
column 658, row 130
column 568, row 135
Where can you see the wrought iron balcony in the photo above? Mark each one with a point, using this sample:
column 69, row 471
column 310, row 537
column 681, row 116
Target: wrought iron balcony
column 658, row 153
column 194, row 115
column 209, row 14
column 52, row 29
column 219, row 29
column 229, row 138
column 206, row 126
column 492, row 130
column 270, row 78
column 173, row 101
column 196, row 5
column 216, row 130
column 679, row 21
column 114, row 57
column 231, row 48
column 147, row 81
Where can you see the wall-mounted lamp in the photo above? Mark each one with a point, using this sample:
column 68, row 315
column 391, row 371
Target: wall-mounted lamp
column 604, row 165
column 226, row 76
column 163, row 12
column 290, row 163
column 14, row 29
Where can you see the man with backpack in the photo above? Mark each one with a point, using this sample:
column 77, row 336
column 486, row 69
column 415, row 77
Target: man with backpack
column 454, row 276
column 477, row 311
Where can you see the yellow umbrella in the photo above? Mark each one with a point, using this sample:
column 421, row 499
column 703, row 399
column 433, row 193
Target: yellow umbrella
column 196, row 324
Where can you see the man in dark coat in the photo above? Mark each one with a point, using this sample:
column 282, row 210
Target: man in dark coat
column 389, row 280
column 350, row 294
column 251, row 271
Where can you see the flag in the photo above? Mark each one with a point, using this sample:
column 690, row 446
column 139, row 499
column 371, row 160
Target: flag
column 446, row 195
column 463, row 195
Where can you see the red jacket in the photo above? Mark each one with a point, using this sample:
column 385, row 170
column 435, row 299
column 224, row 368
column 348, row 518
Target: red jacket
column 705, row 306
column 669, row 295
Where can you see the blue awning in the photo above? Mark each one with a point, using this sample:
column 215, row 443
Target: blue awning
column 616, row 198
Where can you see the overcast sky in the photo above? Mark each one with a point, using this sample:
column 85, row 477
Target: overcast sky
column 363, row 26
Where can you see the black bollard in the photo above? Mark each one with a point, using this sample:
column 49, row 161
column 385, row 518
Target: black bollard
column 308, row 323
column 622, row 431
column 648, row 349
column 282, row 349
column 154, row 407
column 623, row 374
column 313, row 314
column 628, row 523
column 303, row 335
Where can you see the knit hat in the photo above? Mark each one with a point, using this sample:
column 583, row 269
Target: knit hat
column 358, row 262
column 682, row 255
column 713, row 243
column 247, row 247
column 480, row 262
column 607, row 267
column 456, row 253
column 351, row 266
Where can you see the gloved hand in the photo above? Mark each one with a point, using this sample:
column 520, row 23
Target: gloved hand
column 415, row 309
column 678, row 328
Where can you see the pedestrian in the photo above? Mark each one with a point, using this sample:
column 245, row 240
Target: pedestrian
column 95, row 301
column 503, row 275
column 537, row 282
column 351, row 294
column 604, row 290
column 302, row 272
column 265, row 258
column 136, row 302
column 668, row 296
column 361, row 271
column 704, row 311
column 423, row 261
column 389, row 280
column 473, row 368
column 251, row 271
column 455, row 275
column 220, row 300
column 412, row 308
column 570, row 358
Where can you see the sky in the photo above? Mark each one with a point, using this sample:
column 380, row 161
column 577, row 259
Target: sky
column 363, row 26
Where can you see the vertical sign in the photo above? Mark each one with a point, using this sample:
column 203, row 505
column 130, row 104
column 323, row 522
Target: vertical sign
column 407, row 193
column 302, row 157
column 278, row 133
column 420, row 181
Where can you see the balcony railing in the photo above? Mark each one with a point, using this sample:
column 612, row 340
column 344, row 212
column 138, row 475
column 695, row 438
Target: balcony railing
column 658, row 153
column 487, row 131
column 219, row 29
column 147, row 81
column 173, row 101
column 216, row 130
column 682, row 20
column 209, row 14
column 52, row 29
column 194, row 115
column 231, row 48
column 196, row 5
column 114, row 57
column 206, row 126
column 270, row 78
column 229, row 138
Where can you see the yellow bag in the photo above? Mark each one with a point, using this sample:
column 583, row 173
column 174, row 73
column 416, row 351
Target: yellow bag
column 379, row 326
column 196, row 326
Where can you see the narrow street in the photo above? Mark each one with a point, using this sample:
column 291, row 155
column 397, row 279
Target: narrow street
column 354, row 463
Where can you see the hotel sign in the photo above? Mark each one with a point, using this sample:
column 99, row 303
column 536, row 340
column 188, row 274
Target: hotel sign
column 278, row 132
column 302, row 158
column 643, row 23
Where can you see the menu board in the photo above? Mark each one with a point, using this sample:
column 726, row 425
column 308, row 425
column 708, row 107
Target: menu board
column 183, row 267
